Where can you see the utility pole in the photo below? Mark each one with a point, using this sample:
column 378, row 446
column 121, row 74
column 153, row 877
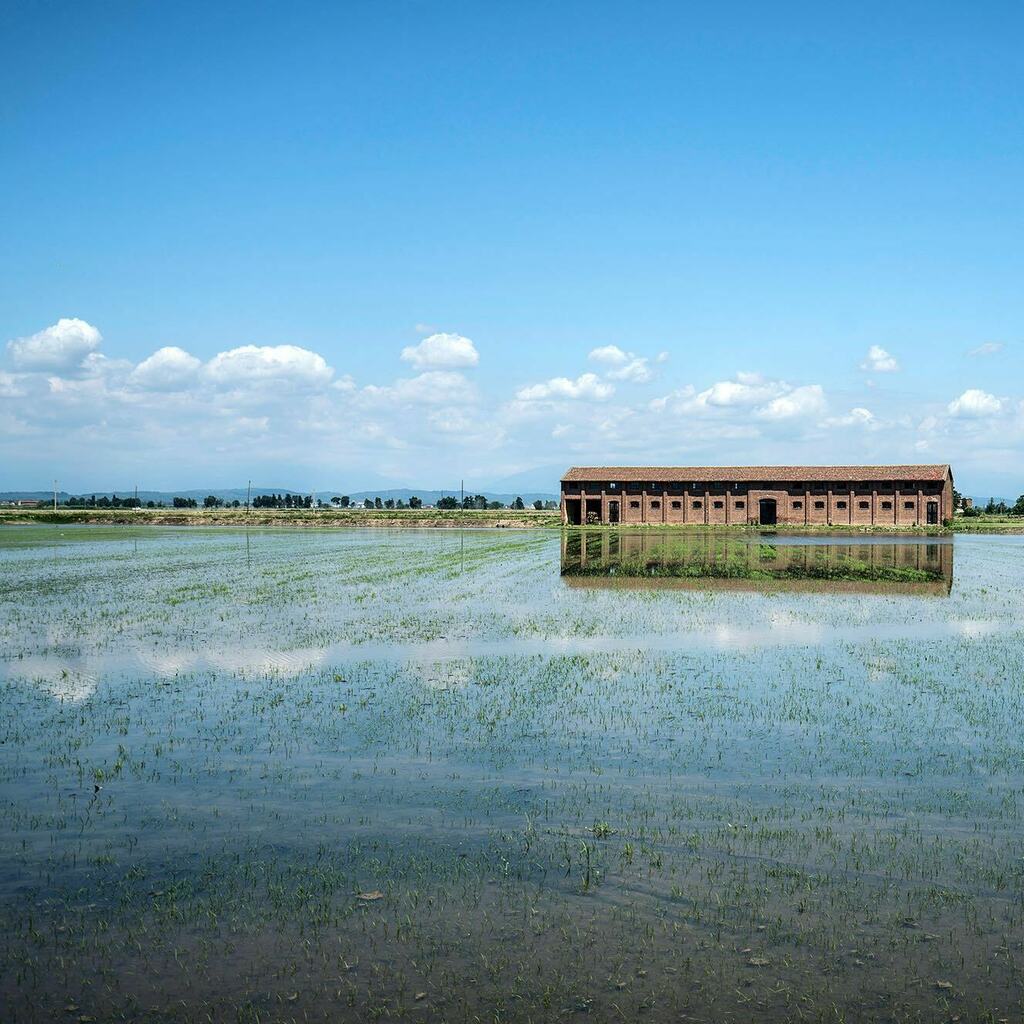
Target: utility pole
column 248, row 495
column 54, row 495
column 136, row 495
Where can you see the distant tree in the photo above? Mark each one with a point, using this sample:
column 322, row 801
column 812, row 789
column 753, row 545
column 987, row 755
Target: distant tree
column 447, row 502
column 377, row 503
column 307, row 501
column 150, row 504
column 336, row 500
column 178, row 502
column 538, row 504
column 494, row 505
column 211, row 501
column 368, row 502
column 346, row 501
column 389, row 503
column 236, row 504
column 1018, row 508
column 400, row 504
column 415, row 502
column 550, row 504
column 958, row 499
column 518, row 504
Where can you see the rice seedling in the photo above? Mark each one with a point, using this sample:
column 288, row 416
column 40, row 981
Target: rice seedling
column 358, row 775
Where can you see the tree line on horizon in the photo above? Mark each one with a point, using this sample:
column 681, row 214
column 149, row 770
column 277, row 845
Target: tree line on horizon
column 993, row 508
column 303, row 501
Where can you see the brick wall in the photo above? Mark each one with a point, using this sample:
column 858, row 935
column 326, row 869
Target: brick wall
column 822, row 503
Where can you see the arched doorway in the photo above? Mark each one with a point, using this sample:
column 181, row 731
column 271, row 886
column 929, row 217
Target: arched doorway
column 768, row 514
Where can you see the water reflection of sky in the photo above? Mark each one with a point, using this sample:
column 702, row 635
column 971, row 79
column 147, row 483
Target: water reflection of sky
column 423, row 599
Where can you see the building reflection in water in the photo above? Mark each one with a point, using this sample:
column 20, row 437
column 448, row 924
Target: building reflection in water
column 745, row 561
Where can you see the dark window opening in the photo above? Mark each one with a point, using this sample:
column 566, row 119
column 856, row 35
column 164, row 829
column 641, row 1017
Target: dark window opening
column 908, row 504
column 819, row 504
column 677, row 504
column 634, row 504
column 655, row 504
column 864, row 504
column 740, row 504
column 719, row 504
column 886, row 504
column 840, row 504
column 798, row 504
column 698, row 504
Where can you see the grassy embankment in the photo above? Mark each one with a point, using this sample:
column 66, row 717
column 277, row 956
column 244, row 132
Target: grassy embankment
column 442, row 518
column 302, row 518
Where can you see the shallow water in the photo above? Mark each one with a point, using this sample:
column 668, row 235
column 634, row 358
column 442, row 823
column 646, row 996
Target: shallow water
column 616, row 800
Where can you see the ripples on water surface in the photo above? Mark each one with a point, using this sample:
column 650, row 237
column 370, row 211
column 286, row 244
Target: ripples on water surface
column 427, row 776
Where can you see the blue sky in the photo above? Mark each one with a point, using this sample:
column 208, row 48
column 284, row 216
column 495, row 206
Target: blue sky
column 789, row 233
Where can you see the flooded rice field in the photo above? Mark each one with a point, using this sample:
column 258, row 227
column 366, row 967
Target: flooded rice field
column 360, row 775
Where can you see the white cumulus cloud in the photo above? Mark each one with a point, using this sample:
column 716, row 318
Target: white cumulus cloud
column 63, row 346
column 441, row 351
column 168, row 369
column 879, row 361
column 587, row 385
column 627, row 366
column 857, row 417
column 435, row 387
column 254, row 364
column 636, row 371
column 975, row 403
column 808, row 400
column 611, row 354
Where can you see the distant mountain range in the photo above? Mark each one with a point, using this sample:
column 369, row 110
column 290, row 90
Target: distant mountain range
column 428, row 497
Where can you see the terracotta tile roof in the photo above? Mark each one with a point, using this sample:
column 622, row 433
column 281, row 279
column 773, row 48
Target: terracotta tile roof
column 775, row 474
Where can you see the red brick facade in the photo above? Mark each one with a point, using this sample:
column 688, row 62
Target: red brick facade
column 788, row 495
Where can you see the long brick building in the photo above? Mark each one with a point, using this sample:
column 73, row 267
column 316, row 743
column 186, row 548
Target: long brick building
column 766, row 495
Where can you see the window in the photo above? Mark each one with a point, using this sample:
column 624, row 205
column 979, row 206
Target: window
column 718, row 504
column 611, row 487
column 887, row 504
column 677, row 504
column 740, row 504
column 864, row 504
column 698, row 504
column 655, row 504
column 840, row 504
column 798, row 504
column 819, row 504
column 634, row 504
column 908, row 504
